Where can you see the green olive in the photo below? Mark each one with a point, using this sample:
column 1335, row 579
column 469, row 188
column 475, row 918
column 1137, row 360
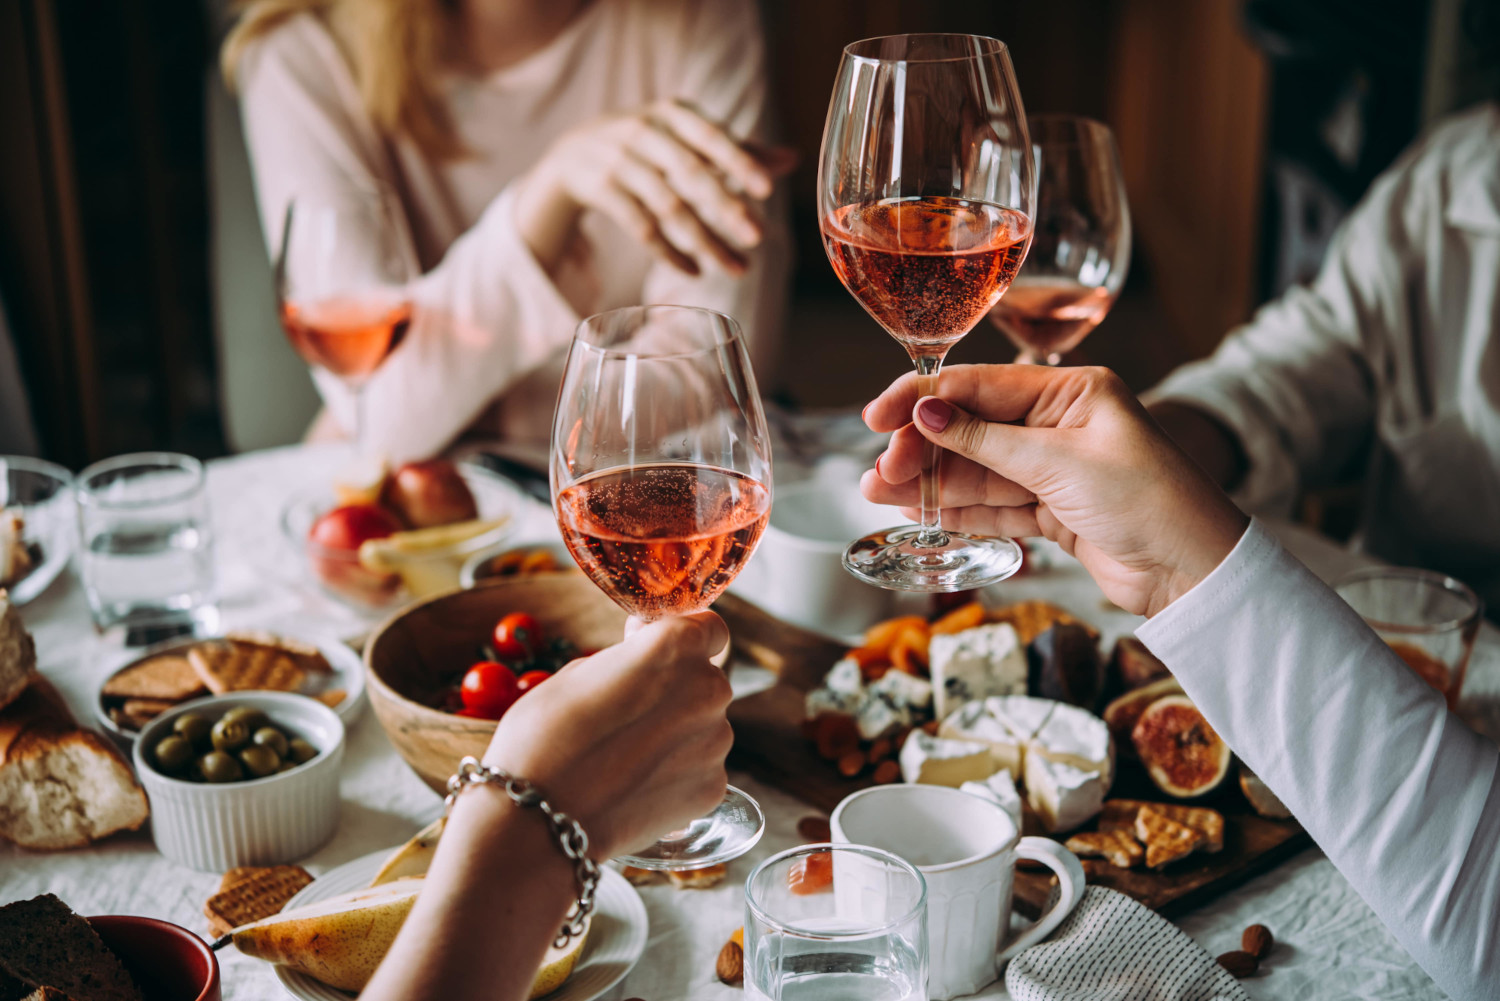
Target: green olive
column 230, row 735
column 286, row 766
column 300, row 750
column 220, row 767
column 172, row 754
column 252, row 718
column 260, row 761
column 269, row 736
column 194, row 728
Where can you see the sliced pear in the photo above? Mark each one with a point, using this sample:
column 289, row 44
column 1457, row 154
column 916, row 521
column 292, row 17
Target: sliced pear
column 413, row 858
column 558, row 965
column 390, row 552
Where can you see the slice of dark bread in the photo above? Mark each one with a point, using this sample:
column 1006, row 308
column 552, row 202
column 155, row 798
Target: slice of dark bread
column 45, row 945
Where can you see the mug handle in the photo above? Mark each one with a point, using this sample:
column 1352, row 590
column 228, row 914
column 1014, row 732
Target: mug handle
column 1070, row 883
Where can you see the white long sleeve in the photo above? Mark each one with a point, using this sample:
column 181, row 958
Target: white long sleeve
column 1397, row 791
column 489, row 326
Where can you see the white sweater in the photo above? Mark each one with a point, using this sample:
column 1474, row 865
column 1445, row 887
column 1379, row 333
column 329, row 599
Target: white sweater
column 1397, row 791
column 489, row 327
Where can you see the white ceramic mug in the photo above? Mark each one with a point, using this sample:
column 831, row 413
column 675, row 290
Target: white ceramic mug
column 966, row 848
column 797, row 573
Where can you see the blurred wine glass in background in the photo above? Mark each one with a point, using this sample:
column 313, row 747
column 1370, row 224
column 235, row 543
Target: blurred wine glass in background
column 1080, row 244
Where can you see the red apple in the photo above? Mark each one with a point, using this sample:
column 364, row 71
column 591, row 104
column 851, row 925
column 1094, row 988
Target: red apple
column 334, row 542
column 431, row 493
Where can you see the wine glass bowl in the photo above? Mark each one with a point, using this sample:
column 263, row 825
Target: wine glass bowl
column 341, row 287
column 926, row 192
column 661, row 484
column 1080, row 244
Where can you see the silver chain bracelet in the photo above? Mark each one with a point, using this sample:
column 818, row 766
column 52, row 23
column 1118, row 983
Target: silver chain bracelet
column 568, row 832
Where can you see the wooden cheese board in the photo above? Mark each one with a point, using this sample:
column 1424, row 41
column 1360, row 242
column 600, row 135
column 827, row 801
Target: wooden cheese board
column 769, row 744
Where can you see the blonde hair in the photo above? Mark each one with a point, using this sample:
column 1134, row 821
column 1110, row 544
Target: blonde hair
column 395, row 48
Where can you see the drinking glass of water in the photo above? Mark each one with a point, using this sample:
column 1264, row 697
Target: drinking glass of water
column 831, row 922
column 146, row 549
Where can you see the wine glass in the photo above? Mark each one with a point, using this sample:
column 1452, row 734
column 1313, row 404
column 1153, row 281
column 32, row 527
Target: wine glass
column 661, row 483
column 926, row 189
column 1080, row 243
column 341, row 277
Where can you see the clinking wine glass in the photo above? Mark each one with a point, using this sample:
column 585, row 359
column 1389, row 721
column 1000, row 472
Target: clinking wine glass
column 661, row 483
column 1080, row 243
column 926, row 193
column 341, row 288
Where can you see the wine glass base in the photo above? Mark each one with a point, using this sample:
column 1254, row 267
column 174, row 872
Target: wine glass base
column 731, row 830
column 892, row 559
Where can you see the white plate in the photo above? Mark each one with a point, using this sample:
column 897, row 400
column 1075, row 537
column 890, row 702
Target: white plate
column 617, row 933
column 347, row 671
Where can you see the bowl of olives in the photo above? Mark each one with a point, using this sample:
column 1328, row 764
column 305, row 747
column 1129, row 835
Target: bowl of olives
column 248, row 778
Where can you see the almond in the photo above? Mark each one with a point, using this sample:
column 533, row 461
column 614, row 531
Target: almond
column 1239, row 963
column 887, row 772
column 880, row 750
column 814, row 830
column 731, row 964
column 852, row 764
column 1257, row 941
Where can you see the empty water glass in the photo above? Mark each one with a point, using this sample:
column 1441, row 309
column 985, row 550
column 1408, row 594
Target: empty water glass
column 827, row 922
column 146, row 548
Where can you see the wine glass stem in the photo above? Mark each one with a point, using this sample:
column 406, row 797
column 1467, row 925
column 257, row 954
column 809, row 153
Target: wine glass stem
column 931, row 536
column 357, row 390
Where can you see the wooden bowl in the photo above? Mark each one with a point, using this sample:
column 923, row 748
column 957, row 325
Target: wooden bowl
column 416, row 653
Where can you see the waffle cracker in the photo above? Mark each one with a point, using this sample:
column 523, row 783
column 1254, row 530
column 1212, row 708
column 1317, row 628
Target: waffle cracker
column 139, row 712
column 1119, row 847
column 254, row 894
column 307, row 656
column 1165, row 839
column 698, row 879
column 1120, row 814
column 167, row 677
column 1032, row 618
column 232, row 666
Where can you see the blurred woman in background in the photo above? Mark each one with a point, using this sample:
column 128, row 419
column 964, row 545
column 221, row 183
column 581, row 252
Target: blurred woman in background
column 547, row 159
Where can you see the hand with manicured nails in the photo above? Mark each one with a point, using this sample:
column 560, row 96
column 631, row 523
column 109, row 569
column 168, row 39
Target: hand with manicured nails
column 1068, row 454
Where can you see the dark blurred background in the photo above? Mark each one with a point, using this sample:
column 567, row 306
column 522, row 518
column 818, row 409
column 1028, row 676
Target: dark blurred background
column 128, row 254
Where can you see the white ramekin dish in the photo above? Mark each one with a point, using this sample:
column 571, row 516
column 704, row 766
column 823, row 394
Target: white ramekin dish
column 266, row 821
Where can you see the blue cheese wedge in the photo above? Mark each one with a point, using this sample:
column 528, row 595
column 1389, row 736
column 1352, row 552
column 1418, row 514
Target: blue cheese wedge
column 880, row 716
column 905, row 690
column 845, row 678
column 935, row 761
column 825, row 700
column 999, row 789
column 976, row 663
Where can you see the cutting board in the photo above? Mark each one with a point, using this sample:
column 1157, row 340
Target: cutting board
column 768, row 743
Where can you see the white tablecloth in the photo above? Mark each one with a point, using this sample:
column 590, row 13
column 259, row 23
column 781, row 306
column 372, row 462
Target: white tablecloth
column 1329, row 943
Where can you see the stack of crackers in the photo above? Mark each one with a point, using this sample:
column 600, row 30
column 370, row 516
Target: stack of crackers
column 238, row 662
column 249, row 893
column 1132, row 831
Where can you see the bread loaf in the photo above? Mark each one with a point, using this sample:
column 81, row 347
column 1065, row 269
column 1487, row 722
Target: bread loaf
column 47, row 952
column 60, row 786
column 17, row 652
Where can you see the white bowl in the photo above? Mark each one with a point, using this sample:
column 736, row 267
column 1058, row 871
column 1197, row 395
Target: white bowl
column 267, row 821
column 43, row 492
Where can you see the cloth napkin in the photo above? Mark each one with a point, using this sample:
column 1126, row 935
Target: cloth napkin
column 1112, row 948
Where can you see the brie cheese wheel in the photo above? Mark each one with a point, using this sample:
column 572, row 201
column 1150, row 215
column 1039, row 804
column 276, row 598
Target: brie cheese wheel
column 904, row 690
column 845, row 678
column 935, row 761
column 974, row 722
column 1063, row 755
column 1061, row 795
column 975, row 663
column 825, row 700
column 999, row 789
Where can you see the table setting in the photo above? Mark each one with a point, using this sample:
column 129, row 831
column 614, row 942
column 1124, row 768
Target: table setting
column 955, row 771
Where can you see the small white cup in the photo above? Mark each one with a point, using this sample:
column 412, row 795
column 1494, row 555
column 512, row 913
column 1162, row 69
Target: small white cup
column 797, row 573
column 966, row 848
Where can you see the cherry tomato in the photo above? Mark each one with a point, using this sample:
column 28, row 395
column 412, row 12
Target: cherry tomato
column 530, row 680
column 517, row 637
column 489, row 689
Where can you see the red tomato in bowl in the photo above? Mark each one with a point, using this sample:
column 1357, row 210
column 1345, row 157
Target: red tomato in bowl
column 517, row 637
column 488, row 689
column 530, row 680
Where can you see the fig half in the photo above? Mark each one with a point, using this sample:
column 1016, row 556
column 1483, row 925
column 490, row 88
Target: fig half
column 1181, row 752
column 1123, row 713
